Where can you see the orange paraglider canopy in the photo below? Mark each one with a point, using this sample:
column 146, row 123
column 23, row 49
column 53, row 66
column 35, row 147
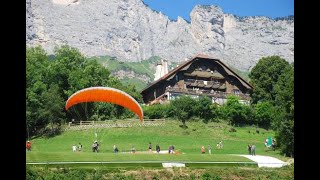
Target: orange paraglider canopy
column 105, row 94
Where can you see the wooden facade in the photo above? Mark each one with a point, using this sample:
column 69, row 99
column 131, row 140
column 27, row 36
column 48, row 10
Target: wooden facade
column 197, row 77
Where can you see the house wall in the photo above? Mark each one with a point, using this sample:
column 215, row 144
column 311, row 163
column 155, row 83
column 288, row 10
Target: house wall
column 178, row 81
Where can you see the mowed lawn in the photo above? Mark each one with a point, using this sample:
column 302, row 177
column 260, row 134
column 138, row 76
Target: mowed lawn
column 187, row 142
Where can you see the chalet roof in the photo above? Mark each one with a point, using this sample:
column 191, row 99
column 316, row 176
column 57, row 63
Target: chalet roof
column 170, row 74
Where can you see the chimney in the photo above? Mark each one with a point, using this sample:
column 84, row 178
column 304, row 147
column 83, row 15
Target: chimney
column 165, row 67
column 157, row 75
column 161, row 69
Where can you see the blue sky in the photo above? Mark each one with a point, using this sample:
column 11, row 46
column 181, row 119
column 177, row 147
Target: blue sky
column 269, row 8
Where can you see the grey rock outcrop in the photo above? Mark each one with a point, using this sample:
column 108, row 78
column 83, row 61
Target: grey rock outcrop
column 130, row 30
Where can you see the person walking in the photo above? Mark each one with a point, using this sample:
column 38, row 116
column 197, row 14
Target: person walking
column 203, row 150
column 158, row 148
column 209, row 149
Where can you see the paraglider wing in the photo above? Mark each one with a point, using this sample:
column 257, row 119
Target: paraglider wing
column 105, row 94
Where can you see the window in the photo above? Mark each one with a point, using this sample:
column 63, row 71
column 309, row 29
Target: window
column 236, row 91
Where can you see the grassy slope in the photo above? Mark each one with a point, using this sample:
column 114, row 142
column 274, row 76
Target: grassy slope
column 141, row 68
column 187, row 141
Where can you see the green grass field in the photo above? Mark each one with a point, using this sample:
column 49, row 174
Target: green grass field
column 186, row 141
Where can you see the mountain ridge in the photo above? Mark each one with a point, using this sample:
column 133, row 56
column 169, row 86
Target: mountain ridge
column 131, row 31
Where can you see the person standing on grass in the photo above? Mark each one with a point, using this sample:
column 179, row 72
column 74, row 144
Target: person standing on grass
column 249, row 149
column 133, row 149
column 203, row 150
column 253, row 150
column 158, row 148
column 150, row 147
column 274, row 143
column 80, row 147
column 28, row 145
column 74, row 148
column 114, row 148
column 221, row 144
column 209, row 148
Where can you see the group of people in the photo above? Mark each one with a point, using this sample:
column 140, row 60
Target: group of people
column 75, row 148
column 270, row 143
column 170, row 149
column 203, row 150
column 220, row 145
column 252, row 149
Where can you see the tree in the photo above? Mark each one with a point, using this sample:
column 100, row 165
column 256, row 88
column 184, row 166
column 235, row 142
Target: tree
column 202, row 108
column 285, row 137
column 183, row 108
column 155, row 111
column 284, row 100
column 273, row 81
column 216, row 112
column 67, row 60
column 264, row 114
column 36, row 68
column 284, row 91
column 264, row 75
column 236, row 112
column 53, row 107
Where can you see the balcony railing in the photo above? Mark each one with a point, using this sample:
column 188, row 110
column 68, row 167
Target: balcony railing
column 206, row 84
column 211, row 93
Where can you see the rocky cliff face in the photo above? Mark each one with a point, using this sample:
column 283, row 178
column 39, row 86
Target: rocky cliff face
column 131, row 31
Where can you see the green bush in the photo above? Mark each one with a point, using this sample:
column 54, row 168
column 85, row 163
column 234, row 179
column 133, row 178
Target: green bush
column 31, row 174
column 123, row 177
column 207, row 176
column 156, row 111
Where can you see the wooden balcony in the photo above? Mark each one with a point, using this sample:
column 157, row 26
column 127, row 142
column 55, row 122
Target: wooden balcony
column 205, row 84
column 211, row 93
